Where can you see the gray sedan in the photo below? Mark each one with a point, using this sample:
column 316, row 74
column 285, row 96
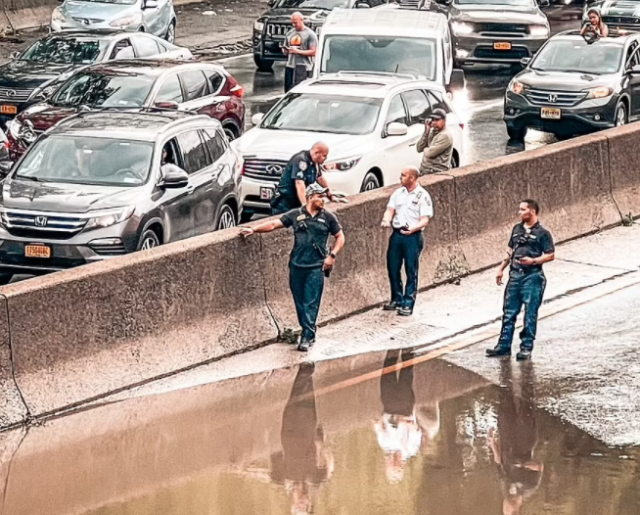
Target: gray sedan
column 157, row 17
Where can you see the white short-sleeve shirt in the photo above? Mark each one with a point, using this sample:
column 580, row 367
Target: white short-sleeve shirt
column 410, row 206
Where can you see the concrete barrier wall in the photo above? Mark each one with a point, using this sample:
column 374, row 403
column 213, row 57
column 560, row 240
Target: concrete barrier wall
column 86, row 332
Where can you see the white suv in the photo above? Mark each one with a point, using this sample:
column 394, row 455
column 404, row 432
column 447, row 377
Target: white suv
column 370, row 121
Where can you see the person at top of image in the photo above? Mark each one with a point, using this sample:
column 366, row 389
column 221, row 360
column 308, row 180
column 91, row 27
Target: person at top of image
column 595, row 25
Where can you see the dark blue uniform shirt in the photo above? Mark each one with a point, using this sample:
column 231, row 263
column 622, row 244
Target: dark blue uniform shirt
column 311, row 234
column 299, row 167
column 532, row 242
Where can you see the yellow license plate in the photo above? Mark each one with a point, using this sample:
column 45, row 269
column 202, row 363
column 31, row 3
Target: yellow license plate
column 502, row 45
column 37, row 251
column 5, row 109
column 550, row 113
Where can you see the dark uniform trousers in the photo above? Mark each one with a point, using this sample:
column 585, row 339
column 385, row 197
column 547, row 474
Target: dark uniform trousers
column 280, row 204
column 404, row 250
column 294, row 76
column 524, row 288
column 306, row 286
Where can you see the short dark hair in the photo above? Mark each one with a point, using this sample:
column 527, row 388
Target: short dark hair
column 532, row 204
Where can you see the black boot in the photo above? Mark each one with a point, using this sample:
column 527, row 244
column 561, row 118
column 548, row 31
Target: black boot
column 391, row 306
column 498, row 351
column 523, row 355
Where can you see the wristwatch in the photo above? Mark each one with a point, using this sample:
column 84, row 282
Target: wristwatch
column 332, row 255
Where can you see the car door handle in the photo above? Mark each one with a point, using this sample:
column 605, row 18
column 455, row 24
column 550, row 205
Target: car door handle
column 190, row 190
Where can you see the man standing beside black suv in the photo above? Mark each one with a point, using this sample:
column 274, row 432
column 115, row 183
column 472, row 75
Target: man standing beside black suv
column 300, row 48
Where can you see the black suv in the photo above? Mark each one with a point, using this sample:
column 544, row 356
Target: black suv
column 574, row 86
column 270, row 29
column 99, row 185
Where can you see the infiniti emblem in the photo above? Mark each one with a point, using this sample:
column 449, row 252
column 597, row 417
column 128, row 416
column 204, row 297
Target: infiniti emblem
column 274, row 169
column 11, row 93
column 41, row 221
column 553, row 98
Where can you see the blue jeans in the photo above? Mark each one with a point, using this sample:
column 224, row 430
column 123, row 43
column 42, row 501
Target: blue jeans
column 523, row 288
column 404, row 250
column 306, row 286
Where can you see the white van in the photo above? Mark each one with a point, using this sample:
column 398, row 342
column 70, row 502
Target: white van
column 388, row 40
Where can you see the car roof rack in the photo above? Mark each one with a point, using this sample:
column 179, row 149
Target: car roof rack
column 390, row 75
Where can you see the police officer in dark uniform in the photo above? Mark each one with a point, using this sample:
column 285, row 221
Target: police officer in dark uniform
column 302, row 170
column 530, row 246
column 309, row 262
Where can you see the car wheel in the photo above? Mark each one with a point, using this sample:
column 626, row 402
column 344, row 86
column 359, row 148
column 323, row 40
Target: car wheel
column 5, row 278
column 227, row 218
column 621, row 115
column 149, row 240
column 230, row 132
column 170, row 36
column 370, row 182
column 516, row 133
column 262, row 64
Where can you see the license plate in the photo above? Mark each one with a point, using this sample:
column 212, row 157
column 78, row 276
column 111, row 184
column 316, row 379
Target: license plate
column 37, row 251
column 5, row 109
column 266, row 193
column 550, row 113
column 502, row 45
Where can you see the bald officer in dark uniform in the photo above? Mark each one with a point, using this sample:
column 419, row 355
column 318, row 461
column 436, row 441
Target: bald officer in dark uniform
column 302, row 170
column 310, row 262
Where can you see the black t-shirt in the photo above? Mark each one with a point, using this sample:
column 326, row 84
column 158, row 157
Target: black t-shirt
column 299, row 167
column 311, row 234
column 531, row 242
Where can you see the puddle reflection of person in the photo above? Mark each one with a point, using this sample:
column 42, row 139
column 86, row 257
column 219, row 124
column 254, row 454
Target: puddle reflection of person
column 305, row 461
column 513, row 446
column 401, row 428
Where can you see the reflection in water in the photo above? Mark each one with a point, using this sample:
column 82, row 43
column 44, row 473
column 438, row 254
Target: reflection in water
column 305, row 461
column 401, row 429
column 514, row 443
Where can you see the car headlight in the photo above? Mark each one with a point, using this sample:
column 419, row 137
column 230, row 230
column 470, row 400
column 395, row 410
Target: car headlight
column 539, row 31
column 516, row 87
column 126, row 20
column 342, row 165
column 258, row 26
column 58, row 16
column 601, row 92
column 109, row 217
column 461, row 29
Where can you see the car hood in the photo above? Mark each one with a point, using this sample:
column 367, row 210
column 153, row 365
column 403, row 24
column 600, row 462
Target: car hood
column 498, row 14
column 280, row 144
column 563, row 81
column 43, row 116
column 617, row 8
column 68, row 198
column 27, row 74
column 96, row 10
column 284, row 15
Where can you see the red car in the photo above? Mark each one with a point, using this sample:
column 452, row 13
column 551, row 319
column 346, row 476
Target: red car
column 136, row 85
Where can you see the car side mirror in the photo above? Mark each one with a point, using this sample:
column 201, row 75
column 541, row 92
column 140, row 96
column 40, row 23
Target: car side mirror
column 5, row 168
column 257, row 118
column 636, row 69
column 457, row 81
column 397, row 129
column 525, row 61
column 14, row 55
column 363, row 5
column 151, row 4
column 166, row 105
column 173, row 177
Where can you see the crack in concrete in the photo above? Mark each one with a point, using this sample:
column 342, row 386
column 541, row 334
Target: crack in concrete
column 595, row 265
column 6, row 483
column 264, row 288
column 11, row 359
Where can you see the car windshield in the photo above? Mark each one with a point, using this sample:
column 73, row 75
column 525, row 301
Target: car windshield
column 65, row 50
column 380, row 54
column 576, row 56
column 312, row 4
column 515, row 3
column 125, row 90
column 86, row 160
column 320, row 113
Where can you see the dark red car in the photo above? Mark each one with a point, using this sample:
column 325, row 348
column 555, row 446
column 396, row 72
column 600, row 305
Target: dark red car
column 136, row 85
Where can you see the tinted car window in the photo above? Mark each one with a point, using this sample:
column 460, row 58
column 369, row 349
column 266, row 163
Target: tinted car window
column 195, row 156
column 437, row 101
column 396, row 112
column 170, row 91
column 103, row 90
column 65, row 50
column 146, row 46
column 195, row 84
column 214, row 143
column 419, row 106
column 216, row 80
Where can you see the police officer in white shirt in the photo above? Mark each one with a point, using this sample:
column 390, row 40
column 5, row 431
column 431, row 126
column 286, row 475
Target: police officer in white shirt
column 409, row 210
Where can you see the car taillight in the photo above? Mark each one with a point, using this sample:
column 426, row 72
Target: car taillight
column 237, row 91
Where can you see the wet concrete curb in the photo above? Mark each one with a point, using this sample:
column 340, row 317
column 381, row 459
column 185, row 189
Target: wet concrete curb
column 85, row 333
